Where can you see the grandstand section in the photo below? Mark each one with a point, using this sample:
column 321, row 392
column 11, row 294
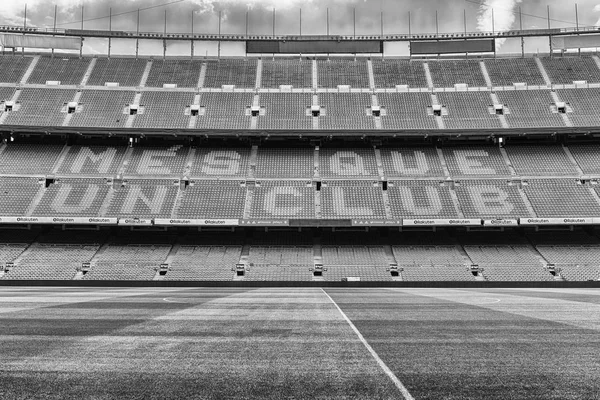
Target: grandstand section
column 122, row 71
column 164, row 110
column 226, row 162
column 411, row 162
column 346, row 199
column 446, row 74
column 283, row 200
column 508, row 71
column 73, row 197
column 406, row 111
column 392, row 73
column 478, row 160
column 335, row 72
column 12, row 68
column 566, row 70
column 285, row 111
column 561, row 198
column 209, row 199
column 240, row 73
column 225, row 111
column 349, row 162
column 468, row 110
column 530, row 109
column 65, row 70
column 280, row 163
column 92, row 160
column 582, row 104
column 346, row 111
column 491, row 199
column 420, row 199
column 183, row 73
column 287, row 72
column 40, row 107
column 102, row 109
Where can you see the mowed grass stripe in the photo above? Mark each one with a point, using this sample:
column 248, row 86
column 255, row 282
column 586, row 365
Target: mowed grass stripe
column 445, row 350
column 579, row 314
column 266, row 344
column 380, row 362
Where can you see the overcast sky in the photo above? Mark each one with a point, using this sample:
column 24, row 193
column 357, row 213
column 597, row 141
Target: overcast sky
column 205, row 14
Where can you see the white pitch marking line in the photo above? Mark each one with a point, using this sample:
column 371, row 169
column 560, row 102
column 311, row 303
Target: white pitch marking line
column 171, row 301
column 383, row 366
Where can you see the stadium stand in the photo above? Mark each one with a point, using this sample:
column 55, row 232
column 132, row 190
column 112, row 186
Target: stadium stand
column 221, row 163
column 437, row 273
column 447, row 73
column 73, row 197
column 406, row 111
column 293, row 72
column 12, row 68
column 583, row 104
column 283, row 200
column 475, row 161
column 66, row 70
column 280, row 163
column 392, row 73
column 411, row 161
column 183, row 73
column 565, row 70
column 39, row 158
column 508, row 71
column 491, row 199
column 213, row 199
column 164, row 110
column 238, row 72
column 580, row 272
column 225, row 111
column 282, row 273
column 420, row 199
column 281, row 255
column 529, row 109
column 346, row 199
column 549, row 160
column 468, row 110
column 561, row 198
column 335, row 72
column 141, row 198
column 207, row 263
column 41, row 107
column 92, row 160
column 124, row 71
column 285, row 111
column 16, row 194
column 586, row 157
column 346, row 111
column 349, row 162
column 154, row 160
column 427, row 255
column 103, row 108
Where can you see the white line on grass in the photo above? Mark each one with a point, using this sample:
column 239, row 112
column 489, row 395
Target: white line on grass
column 383, row 366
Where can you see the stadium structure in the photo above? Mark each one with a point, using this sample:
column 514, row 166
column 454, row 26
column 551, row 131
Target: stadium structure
column 282, row 168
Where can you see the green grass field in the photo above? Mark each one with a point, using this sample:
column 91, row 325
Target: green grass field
column 221, row 343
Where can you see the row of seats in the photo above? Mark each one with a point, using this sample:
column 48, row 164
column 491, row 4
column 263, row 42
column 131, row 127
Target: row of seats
column 150, row 198
column 336, row 111
column 299, row 162
column 61, row 254
column 387, row 73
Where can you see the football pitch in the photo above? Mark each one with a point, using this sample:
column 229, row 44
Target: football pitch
column 304, row 343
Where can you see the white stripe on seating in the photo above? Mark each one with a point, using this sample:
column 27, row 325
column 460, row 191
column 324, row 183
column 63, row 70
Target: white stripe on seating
column 383, row 366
